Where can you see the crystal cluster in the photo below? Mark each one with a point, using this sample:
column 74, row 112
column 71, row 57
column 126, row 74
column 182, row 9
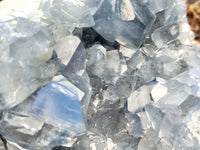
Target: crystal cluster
column 99, row 75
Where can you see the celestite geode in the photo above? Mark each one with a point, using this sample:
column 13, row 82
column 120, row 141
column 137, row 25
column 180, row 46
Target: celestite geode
column 98, row 75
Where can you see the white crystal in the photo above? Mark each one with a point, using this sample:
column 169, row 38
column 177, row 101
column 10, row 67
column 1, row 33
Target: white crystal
column 10, row 9
column 139, row 98
column 127, row 11
column 159, row 91
column 66, row 47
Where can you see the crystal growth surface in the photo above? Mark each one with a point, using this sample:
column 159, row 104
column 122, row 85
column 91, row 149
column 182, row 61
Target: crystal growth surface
column 98, row 74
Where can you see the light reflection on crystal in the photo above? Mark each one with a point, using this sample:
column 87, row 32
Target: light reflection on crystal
column 99, row 74
column 58, row 105
column 54, row 104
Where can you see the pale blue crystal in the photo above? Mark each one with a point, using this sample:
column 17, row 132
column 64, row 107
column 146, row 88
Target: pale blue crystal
column 71, row 13
column 55, row 112
column 58, row 104
column 129, row 33
column 25, row 60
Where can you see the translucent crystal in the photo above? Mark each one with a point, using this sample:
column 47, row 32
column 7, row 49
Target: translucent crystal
column 175, row 11
column 165, row 34
column 112, row 67
column 105, row 121
column 25, row 65
column 126, row 52
column 155, row 115
column 155, row 6
column 149, row 141
column 103, row 64
column 172, row 117
column 96, row 60
column 136, row 60
column 98, row 74
column 93, row 5
column 176, row 93
column 136, row 130
column 111, row 27
column 55, row 108
column 164, row 144
column 139, row 99
column 66, row 47
column 145, row 123
column 71, row 13
column 190, row 102
column 173, row 68
column 159, row 91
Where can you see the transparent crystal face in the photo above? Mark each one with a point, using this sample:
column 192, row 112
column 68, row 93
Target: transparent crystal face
column 55, row 108
column 98, row 74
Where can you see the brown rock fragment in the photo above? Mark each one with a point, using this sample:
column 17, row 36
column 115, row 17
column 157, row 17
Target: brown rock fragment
column 193, row 14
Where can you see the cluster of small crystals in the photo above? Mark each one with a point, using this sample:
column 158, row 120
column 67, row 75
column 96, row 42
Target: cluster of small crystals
column 130, row 63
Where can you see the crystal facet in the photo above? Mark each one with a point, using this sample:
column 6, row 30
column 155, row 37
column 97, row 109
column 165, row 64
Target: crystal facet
column 98, row 74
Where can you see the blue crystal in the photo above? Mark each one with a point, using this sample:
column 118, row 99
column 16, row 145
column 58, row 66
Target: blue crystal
column 58, row 105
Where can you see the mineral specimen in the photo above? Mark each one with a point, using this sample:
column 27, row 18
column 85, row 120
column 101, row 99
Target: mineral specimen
column 25, row 60
column 98, row 74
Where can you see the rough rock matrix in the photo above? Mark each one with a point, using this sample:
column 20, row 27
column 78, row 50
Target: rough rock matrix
column 193, row 13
